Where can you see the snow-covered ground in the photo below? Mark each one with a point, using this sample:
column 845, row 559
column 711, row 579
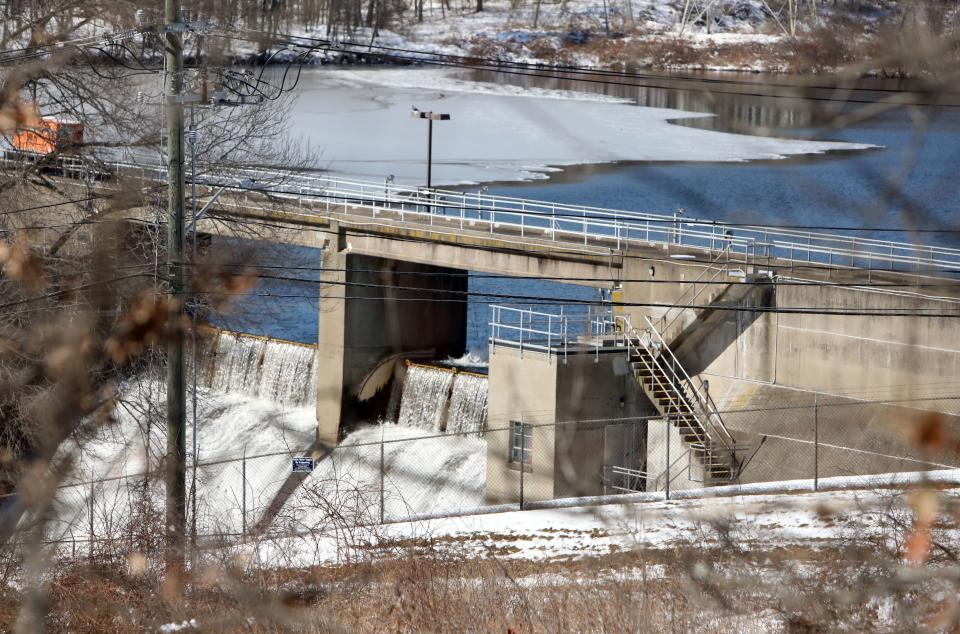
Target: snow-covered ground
column 759, row 522
column 598, row 33
column 359, row 120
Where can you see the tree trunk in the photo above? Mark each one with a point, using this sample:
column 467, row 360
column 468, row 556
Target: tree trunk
column 370, row 14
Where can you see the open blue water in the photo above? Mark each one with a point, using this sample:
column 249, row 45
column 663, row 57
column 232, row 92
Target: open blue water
column 857, row 190
column 910, row 182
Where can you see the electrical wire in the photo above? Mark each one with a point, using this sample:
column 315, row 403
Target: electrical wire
column 576, row 279
column 556, row 250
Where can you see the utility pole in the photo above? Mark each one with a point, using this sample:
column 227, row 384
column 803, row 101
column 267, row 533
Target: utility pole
column 176, row 390
column 193, row 137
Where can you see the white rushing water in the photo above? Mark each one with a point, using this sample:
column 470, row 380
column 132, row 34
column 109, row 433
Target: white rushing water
column 468, row 404
column 437, row 399
column 424, row 399
column 275, row 370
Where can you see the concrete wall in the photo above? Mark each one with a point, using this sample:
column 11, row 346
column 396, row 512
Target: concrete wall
column 855, row 437
column 759, row 359
column 568, row 459
column 866, row 356
column 362, row 322
column 591, row 387
column 892, row 357
column 521, row 388
column 656, row 280
column 665, row 446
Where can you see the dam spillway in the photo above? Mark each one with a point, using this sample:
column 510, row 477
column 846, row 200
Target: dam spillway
column 441, row 399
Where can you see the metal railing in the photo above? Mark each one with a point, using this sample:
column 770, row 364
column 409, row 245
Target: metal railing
column 551, row 334
column 676, row 311
column 527, row 329
column 727, row 458
column 574, row 224
column 686, row 385
column 554, row 334
column 624, row 480
column 685, row 398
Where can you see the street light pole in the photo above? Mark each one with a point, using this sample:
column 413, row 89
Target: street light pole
column 430, row 117
column 429, row 152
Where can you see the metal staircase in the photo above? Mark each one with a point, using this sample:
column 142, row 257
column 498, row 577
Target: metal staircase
column 682, row 401
column 679, row 398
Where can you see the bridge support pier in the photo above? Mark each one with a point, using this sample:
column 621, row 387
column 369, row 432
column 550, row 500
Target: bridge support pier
column 372, row 308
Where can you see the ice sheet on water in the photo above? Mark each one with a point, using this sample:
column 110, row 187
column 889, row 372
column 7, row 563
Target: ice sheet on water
column 502, row 133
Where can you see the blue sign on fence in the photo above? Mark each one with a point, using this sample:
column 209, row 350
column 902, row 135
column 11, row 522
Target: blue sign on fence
column 302, row 465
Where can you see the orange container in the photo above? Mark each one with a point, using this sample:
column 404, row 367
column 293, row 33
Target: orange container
column 48, row 136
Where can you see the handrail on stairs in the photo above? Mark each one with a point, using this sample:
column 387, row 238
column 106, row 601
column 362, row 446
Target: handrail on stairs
column 704, row 401
column 666, row 325
column 651, row 341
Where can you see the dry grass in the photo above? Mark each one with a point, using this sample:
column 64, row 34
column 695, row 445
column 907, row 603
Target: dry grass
column 719, row 579
column 821, row 50
column 425, row 589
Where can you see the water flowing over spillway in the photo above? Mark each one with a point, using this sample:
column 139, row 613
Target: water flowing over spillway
column 439, row 399
column 424, row 399
column 276, row 370
column 468, row 404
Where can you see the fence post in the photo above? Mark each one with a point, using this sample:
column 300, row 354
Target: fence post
column 90, row 543
column 522, row 465
column 816, row 445
column 243, row 490
column 382, row 469
column 549, row 337
column 668, row 457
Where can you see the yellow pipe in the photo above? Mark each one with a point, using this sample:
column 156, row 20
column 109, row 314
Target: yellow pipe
column 412, row 364
column 215, row 330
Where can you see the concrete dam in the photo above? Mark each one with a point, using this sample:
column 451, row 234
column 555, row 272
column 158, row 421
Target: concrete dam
column 851, row 340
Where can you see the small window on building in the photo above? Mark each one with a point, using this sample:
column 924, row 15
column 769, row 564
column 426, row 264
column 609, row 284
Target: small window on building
column 521, row 442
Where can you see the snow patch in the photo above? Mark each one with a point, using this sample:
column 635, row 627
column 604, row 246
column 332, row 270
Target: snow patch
column 179, row 627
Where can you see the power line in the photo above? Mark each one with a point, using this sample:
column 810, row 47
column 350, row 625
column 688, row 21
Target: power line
column 73, row 289
column 560, row 279
column 894, row 312
column 556, row 248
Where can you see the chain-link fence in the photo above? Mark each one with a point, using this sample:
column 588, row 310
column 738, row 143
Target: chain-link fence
column 396, row 474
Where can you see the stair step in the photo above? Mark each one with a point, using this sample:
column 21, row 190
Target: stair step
column 664, row 390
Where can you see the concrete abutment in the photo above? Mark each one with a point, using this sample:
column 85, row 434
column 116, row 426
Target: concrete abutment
column 372, row 308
